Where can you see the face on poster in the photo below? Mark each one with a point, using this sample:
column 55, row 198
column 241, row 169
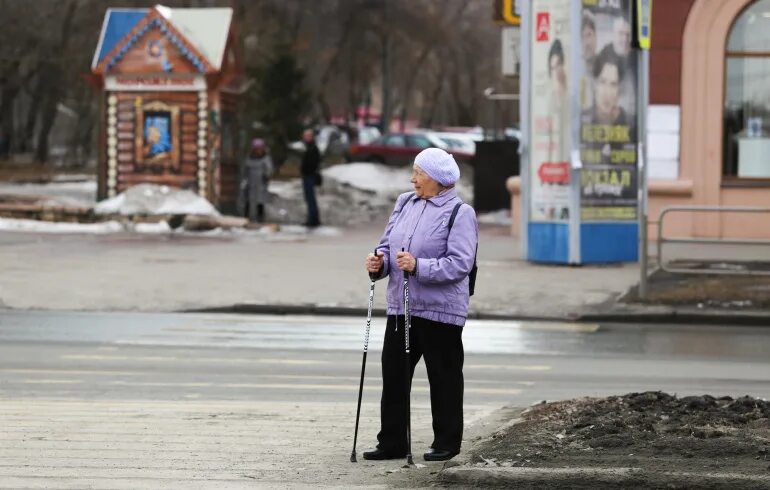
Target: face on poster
column 608, row 132
column 550, row 111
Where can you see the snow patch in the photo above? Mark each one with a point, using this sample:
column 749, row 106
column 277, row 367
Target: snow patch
column 371, row 177
column 152, row 228
column 150, row 199
column 352, row 194
column 75, row 193
column 35, row 226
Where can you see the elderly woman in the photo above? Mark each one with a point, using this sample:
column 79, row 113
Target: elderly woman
column 255, row 173
column 438, row 261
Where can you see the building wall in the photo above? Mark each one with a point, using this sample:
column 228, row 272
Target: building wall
column 687, row 72
column 668, row 20
column 131, row 171
column 229, row 148
column 703, row 78
column 687, row 80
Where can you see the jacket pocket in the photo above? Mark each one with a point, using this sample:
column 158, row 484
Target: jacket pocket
column 439, row 236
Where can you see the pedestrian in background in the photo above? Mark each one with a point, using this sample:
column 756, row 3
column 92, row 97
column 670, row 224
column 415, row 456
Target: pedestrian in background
column 438, row 261
column 255, row 175
column 311, row 177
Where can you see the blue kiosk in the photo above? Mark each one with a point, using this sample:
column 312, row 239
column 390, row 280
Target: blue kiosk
column 583, row 98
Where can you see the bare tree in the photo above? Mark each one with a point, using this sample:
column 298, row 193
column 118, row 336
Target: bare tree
column 52, row 73
column 423, row 59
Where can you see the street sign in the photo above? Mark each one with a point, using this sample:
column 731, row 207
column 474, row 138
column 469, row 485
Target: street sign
column 511, row 13
column 643, row 26
column 510, row 55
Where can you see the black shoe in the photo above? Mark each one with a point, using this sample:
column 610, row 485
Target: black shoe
column 380, row 454
column 439, row 455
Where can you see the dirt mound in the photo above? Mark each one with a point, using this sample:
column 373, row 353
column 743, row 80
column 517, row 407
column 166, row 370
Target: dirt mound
column 722, row 291
column 653, row 431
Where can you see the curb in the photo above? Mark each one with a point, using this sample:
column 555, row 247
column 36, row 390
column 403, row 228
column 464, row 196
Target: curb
column 673, row 316
column 681, row 316
column 588, row 477
column 313, row 309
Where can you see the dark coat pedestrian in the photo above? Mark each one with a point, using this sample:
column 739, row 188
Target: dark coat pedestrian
column 311, row 177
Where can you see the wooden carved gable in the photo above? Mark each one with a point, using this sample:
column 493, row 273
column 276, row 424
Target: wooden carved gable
column 154, row 46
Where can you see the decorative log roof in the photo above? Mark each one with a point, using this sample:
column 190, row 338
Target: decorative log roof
column 200, row 35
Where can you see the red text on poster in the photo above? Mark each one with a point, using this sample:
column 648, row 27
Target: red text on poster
column 543, row 26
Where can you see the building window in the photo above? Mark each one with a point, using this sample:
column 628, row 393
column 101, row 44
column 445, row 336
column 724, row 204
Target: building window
column 747, row 95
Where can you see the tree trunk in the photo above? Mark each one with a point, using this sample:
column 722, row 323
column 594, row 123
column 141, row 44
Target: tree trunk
column 296, row 22
column 323, row 105
column 353, row 97
column 473, row 105
column 427, row 121
column 347, row 27
column 385, row 114
column 28, row 136
column 8, row 94
column 47, row 117
column 55, row 88
column 462, row 114
column 79, row 143
column 9, row 89
column 426, row 50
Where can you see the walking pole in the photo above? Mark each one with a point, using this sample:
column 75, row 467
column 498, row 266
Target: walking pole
column 409, row 460
column 363, row 363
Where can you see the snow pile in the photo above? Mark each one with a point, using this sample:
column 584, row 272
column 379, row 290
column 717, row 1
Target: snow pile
column 351, row 194
column 388, row 182
column 149, row 199
column 371, row 177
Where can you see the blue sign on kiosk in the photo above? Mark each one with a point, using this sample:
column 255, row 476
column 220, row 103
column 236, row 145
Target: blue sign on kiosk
column 581, row 162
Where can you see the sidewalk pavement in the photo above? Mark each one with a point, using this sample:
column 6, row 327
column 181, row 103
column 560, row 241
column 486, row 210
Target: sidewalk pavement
column 294, row 272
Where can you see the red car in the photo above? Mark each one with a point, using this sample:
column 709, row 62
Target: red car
column 399, row 149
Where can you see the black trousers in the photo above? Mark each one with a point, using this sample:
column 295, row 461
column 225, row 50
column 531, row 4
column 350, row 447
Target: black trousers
column 442, row 346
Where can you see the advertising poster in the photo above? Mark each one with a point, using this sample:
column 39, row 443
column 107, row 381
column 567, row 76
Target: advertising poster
column 550, row 111
column 608, row 132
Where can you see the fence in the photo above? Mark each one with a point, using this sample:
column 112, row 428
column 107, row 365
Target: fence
column 662, row 240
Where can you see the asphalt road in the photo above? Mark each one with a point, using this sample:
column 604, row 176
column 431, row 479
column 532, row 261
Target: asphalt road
column 126, row 400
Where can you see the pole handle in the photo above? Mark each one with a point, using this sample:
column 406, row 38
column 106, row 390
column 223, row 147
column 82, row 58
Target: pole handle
column 373, row 275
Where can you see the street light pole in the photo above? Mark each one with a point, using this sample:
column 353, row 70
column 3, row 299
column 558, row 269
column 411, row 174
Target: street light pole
column 385, row 114
column 643, row 64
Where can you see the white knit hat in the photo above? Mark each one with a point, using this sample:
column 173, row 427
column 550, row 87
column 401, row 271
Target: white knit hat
column 439, row 165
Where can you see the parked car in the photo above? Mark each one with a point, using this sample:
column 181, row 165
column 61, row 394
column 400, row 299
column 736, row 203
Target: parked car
column 400, row 149
column 459, row 142
column 334, row 140
column 367, row 134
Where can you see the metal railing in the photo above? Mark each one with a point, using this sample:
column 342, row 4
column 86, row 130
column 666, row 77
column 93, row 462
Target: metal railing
column 662, row 240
